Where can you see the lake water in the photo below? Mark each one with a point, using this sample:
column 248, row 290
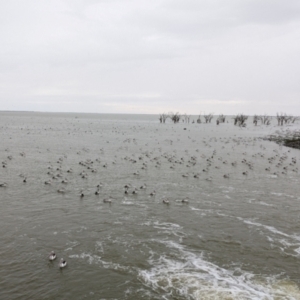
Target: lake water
column 237, row 237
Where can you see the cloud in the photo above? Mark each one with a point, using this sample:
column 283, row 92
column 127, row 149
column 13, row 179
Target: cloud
column 150, row 55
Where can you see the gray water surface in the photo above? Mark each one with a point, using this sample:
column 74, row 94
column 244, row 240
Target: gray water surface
column 236, row 238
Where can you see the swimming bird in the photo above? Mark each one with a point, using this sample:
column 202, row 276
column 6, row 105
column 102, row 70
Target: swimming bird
column 62, row 263
column 185, row 200
column 143, row 186
column 166, row 201
column 107, row 200
column 52, row 256
column 153, row 193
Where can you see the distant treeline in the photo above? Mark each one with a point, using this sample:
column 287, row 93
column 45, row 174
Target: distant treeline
column 238, row 120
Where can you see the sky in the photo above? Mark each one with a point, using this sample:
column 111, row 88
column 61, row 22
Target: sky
column 150, row 56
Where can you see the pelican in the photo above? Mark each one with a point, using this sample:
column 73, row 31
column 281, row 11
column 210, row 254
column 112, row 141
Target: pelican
column 52, row 256
column 62, row 263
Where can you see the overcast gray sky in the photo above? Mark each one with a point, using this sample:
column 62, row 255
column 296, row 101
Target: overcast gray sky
column 150, row 56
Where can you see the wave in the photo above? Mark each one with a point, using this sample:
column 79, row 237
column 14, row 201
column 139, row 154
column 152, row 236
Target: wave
column 192, row 277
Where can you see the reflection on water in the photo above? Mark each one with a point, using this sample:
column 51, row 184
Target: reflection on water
column 237, row 237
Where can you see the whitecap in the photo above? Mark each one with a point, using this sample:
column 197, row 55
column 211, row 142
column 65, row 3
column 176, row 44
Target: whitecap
column 193, row 277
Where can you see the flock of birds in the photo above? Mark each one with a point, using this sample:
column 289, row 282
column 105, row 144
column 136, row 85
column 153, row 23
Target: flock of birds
column 208, row 163
column 213, row 162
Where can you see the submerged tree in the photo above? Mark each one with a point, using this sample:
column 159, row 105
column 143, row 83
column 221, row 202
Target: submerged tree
column 295, row 119
column 255, row 119
column 283, row 118
column 287, row 119
column 175, row 117
column 221, row 118
column 208, row 118
column 163, row 117
column 266, row 120
column 280, row 118
column 240, row 120
column 199, row 119
column 187, row 118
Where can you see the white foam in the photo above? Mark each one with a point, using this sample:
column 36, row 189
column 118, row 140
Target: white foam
column 90, row 257
column 162, row 225
column 282, row 194
column 270, row 228
column 126, row 202
column 288, row 245
column 192, row 277
column 264, row 203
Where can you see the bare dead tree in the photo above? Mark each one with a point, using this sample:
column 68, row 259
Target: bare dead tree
column 255, row 119
column 287, row 119
column 175, row 117
column 266, row 120
column 221, row 118
column 163, row 117
column 199, row 119
column 187, row 118
column 282, row 118
column 236, row 119
column 208, row 118
column 240, row 120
